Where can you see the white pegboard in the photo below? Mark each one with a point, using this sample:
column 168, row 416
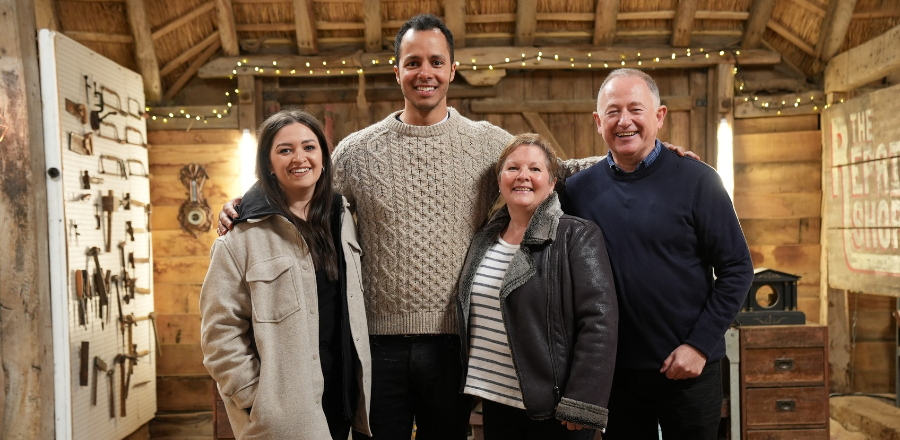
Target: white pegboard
column 64, row 65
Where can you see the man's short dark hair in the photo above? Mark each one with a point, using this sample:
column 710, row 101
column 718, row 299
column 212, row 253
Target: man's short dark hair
column 423, row 22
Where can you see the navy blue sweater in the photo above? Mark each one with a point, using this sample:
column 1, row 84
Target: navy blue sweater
column 667, row 227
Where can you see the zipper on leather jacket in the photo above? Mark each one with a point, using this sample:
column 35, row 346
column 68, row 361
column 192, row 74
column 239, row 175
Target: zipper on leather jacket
column 550, row 292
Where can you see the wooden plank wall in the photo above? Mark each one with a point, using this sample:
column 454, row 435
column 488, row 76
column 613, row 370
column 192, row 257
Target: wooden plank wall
column 872, row 359
column 181, row 261
column 777, row 196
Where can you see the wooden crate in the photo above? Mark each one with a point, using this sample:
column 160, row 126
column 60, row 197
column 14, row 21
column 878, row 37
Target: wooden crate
column 784, row 386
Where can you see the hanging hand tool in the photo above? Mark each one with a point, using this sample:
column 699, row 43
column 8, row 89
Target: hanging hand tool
column 77, row 110
column 97, row 216
column 83, row 370
column 139, row 113
column 121, row 359
column 148, row 209
column 104, row 299
column 131, row 230
column 121, row 168
column 110, row 383
column 132, row 260
column 79, row 291
column 123, row 277
column 109, row 203
column 141, row 135
column 87, row 180
column 99, row 366
column 152, row 318
column 82, row 144
column 95, row 118
column 127, row 201
column 115, row 280
column 99, row 282
column 73, row 226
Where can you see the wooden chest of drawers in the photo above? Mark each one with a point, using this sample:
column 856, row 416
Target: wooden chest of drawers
column 784, row 382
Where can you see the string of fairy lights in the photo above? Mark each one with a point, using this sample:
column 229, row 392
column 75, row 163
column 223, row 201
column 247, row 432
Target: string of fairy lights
column 520, row 60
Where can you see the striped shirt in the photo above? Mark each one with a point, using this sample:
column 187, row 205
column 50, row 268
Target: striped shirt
column 491, row 374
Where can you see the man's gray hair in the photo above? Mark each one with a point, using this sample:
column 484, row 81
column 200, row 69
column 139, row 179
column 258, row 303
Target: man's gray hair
column 621, row 73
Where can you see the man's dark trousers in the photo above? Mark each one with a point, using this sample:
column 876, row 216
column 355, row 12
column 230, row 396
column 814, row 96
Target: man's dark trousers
column 685, row 409
column 417, row 378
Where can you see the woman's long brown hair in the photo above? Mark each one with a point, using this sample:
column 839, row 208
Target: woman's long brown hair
column 316, row 229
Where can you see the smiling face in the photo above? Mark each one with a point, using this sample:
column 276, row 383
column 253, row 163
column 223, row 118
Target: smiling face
column 424, row 72
column 296, row 160
column 524, row 178
column 628, row 120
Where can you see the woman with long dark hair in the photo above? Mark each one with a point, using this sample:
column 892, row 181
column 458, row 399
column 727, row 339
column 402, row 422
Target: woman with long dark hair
column 283, row 322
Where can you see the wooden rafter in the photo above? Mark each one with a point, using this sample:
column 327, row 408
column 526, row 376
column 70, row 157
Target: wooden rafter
column 526, row 22
column 305, row 27
column 192, row 69
column 540, row 127
column 227, row 31
column 791, row 37
column 100, row 38
column 227, row 66
column 46, row 15
column 178, row 22
column 683, row 23
column 865, row 63
column 189, row 54
column 372, row 22
column 605, row 15
column 144, row 52
column 760, row 13
column 455, row 19
column 811, row 7
column 834, row 28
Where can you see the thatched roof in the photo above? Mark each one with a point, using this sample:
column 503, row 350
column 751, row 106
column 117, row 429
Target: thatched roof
column 183, row 29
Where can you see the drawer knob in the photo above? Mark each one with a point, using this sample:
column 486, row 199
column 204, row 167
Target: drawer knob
column 784, row 364
column 787, row 405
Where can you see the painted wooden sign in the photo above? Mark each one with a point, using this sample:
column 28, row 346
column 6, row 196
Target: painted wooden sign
column 862, row 192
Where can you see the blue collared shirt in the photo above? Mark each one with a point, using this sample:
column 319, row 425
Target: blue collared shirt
column 644, row 163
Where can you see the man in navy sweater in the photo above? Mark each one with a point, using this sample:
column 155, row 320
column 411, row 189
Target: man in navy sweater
column 669, row 225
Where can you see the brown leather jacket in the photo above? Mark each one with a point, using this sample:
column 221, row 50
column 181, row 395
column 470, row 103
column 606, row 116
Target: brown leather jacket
column 558, row 302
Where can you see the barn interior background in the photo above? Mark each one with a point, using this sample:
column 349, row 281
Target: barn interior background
column 799, row 93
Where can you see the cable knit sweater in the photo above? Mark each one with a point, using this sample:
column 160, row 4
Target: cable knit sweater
column 420, row 193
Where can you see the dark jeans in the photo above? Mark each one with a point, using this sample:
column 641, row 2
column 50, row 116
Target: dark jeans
column 503, row 422
column 417, row 378
column 687, row 409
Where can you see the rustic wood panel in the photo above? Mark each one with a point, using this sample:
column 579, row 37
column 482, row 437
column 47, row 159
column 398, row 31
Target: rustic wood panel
column 184, row 393
column 176, row 299
column 780, row 177
column 782, row 336
column 194, row 137
column 873, row 367
column 760, row 369
column 862, row 186
column 220, row 160
column 195, row 425
column 795, row 146
column 789, row 434
column 811, row 407
column 583, row 124
column 178, row 329
column 168, row 190
column 810, row 307
column 181, row 360
column 183, row 270
column 781, row 231
column 800, row 260
column 776, row 125
column 777, row 206
column 172, row 243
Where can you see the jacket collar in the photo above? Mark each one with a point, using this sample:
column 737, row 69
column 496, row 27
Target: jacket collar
column 255, row 207
column 542, row 226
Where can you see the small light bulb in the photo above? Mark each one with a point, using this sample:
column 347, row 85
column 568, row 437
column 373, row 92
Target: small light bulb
column 491, row 67
column 198, row 118
column 605, row 65
column 721, row 53
column 656, row 59
column 673, row 55
column 219, row 116
column 165, row 120
column 278, row 71
column 233, row 71
column 507, row 60
column 623, row 63
column 474, row 67
column 556, row 57
column 182, row 112
column 274, row 63
column 154, row 118
column 293, row 71
column 256, row 69
column 344, row 62
column 307, row 64
column 227, row 93
column 324, row 63
column 214, row 110
column 229, row 104
column 146, row 109
column 239, row 64
column 171, row 115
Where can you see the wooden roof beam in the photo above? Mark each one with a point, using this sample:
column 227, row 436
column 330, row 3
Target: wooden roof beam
column 227, row 30
column 305, row 27
column 372, row 21
column 684, row 22
column 190, row 53
column 526, row 22
column 495, row 56
column 760, row 14
column 46, row 15
column 834, row 28
column 100, row 38
column 865, row 63
column 605, row 22
column 791, row 37
column 144, row 52
column 178, row 22
column 191, row 70
column 455, row 19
